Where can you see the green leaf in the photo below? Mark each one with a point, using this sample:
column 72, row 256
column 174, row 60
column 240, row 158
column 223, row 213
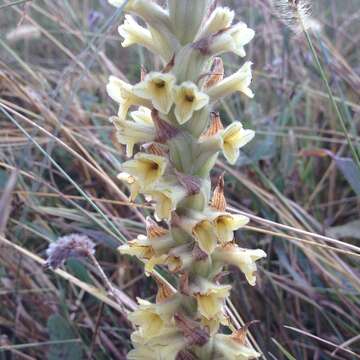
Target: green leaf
column 79, row 270
column 59, row 329
column 350, row 171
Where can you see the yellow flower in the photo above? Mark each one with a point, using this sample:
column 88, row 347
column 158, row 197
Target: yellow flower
column 158, row 88
column 123, row 94
column 180, row 258
column 153, row 318
column 188, row 98
column 146, row 168
column 244, row 259
column 241, row 36
column 140, row 247
column 166, row 195
column 231, row 349
column 130, row 133
column 234, row 137
column 201, row 228
column 232, row 40
column 210, row 297
column 239, row 81
column 166, row 345
column 204, row 233
column 221, row 18
column 226, row 224
column 132, row 183
column 133, row 33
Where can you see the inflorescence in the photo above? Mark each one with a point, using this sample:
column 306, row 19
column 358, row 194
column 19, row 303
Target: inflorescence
column 177, row 137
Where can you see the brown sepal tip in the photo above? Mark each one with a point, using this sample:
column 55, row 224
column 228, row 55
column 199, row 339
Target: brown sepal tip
column 153, row 230
column 218, row 200
column 240, row 335
column 164, row 130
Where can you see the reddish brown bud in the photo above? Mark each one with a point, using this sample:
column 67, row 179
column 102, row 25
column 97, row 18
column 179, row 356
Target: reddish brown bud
column 198, row 254
column 240, row 335
column 193, row 332
column 215, row 126
column 164, row 291
column 164, row 130
column 218, row 201
column 192, row 184
column 185, row 355
column 216, row 73
column 153, row 230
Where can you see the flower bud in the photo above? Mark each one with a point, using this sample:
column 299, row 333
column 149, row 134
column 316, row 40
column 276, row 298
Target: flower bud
column 186, row 17
column 220, row 19
column 149, row 11
column 231, row 40
column 239, row 81
column 218, row 201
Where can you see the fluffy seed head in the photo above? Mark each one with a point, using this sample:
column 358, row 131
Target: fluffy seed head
column 74, row 245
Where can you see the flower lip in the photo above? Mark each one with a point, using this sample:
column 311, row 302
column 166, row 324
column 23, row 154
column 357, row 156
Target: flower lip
column 146, row 168
column 188, row 99
column 235, row 137
column 158, row 88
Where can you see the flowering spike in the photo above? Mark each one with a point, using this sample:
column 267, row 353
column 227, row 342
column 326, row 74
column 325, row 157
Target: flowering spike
column 181, row 136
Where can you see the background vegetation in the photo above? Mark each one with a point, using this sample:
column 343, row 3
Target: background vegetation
column 58, row 167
